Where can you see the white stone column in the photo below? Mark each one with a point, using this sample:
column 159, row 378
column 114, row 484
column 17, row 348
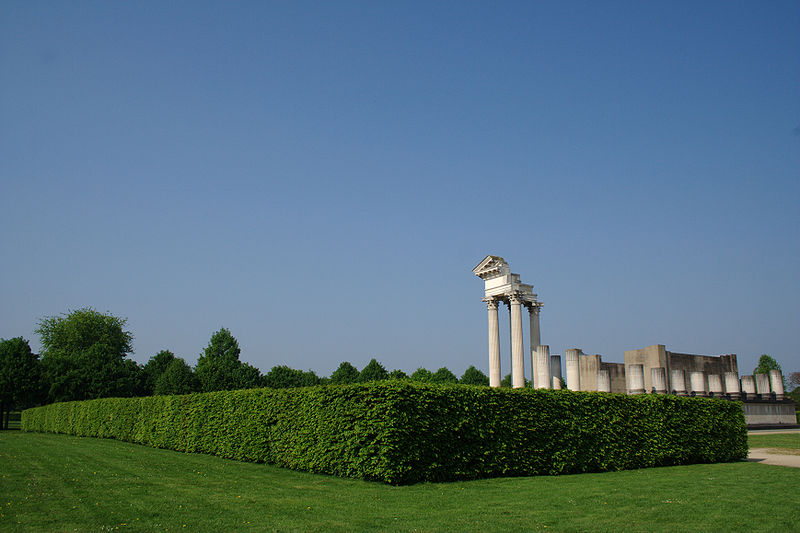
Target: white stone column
column 494, row 344
column 573, row 369
column 555, row 371
column 776, row 383
column 603, row 381
column 762, row 385
column 715, row 385
column 678, row 379
column 697, row 380
column 635, row 379
column 658, row 377
column 517, row 357
column 542, row 372
column 732, row 385
column 748, row 387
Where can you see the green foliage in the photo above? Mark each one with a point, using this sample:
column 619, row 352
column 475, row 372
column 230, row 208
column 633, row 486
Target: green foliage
column 403, row 432
column 398, row 374
column 443, row 375
column 765, row 364
column 84, row 356
column 374, row 371
column 473, row 376
column 281, row 377
column 422, row 375
column 153, row 369
column 346, row 373
column 219, row 368
column 506, row 382
column 177, row 378
column 20, row 375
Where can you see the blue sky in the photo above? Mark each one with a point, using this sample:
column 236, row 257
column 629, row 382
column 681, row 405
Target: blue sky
column 321, row 177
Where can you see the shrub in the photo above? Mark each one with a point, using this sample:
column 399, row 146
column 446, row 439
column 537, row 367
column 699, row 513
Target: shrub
column 404, row 432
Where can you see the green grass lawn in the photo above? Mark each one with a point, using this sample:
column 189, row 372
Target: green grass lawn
column 785, row 441
column 59, row 483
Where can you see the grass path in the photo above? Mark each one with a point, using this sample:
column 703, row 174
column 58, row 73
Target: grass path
column 64, row 483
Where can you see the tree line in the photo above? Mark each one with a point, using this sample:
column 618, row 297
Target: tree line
column 85, row 355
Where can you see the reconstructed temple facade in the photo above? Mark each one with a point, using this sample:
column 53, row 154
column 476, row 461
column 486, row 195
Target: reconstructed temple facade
column 650, row 370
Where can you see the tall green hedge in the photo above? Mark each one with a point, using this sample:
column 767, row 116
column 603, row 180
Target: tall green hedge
column 402, row 432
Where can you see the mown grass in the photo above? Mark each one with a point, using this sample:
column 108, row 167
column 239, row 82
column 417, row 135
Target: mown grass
column 60, row 483
column 785, row 441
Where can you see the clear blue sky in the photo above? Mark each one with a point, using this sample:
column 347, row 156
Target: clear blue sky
column 321, row 177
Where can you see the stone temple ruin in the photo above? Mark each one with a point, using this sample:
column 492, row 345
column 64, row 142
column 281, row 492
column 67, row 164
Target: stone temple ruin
column 651, row 370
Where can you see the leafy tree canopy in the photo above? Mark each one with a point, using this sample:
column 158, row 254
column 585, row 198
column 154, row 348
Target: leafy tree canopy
column 83, row 356
column 156, row 366
column 177, row 378
column 398, row 374
column 219, row 368
column 506, row 382
column 765, row 364
column 422, row 374
column 281, row 377
column 346, row 373
column 473, row 376
column 374, row 371
column 443, row 375
column 20, row 375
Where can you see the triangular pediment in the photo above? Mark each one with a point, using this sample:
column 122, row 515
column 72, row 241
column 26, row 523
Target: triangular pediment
column 490, row 266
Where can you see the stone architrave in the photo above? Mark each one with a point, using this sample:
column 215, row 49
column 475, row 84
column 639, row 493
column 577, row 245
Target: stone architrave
column 635, row 379
column 762, row 385
column 555, row 371
column 715, row 385
column 776, row 383
column 697, row 380
column 678, row 379
column 658, row 377
column 748, row 387
column 732, row 387
column 573, row 369
column 603, row 381
column 542, row 370
column 494, row 343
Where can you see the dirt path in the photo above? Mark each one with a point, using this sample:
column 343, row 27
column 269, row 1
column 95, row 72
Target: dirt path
column 763, row 455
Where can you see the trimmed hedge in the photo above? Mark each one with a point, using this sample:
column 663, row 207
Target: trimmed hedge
column 402, row 432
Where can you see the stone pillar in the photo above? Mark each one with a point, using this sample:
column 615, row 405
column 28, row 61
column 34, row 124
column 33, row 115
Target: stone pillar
column 517, row 357
column 697, row 380
column 762, row 385
column 542, row 371
column 732, row 385
column 776, row 383
column 573, row 369
column 603, row 381
column 536, row 339
column 678, row 380
column 555, row 371
column 748, row 387
column 658, row 377
column 635, row 379
column 494, row 344
column 715, row 385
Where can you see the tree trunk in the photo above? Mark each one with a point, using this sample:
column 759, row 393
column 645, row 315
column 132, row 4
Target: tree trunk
column 3, row 424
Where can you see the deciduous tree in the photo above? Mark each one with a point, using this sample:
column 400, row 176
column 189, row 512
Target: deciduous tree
column 473, row 376
column 84, row 356
column 374, row 371
column 156, row 366
column 20, row 377
column 443, row 375
column 422, row 374
column 177, row 378
column 219, row 367
column 346, row 373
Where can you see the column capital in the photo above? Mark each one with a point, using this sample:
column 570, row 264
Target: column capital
column 491, row 303
column 516, row 298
